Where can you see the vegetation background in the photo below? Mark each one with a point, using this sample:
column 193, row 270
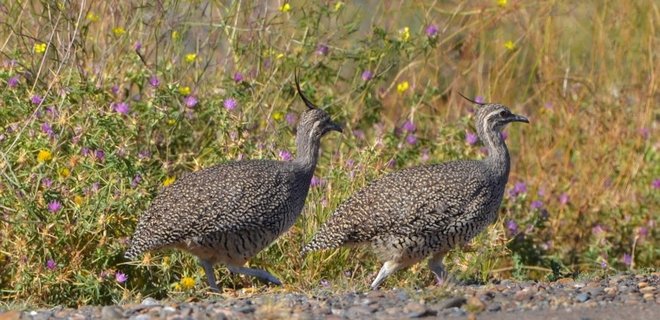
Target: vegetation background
column 104, row 103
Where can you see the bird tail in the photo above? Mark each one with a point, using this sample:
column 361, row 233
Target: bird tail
column 132, row 253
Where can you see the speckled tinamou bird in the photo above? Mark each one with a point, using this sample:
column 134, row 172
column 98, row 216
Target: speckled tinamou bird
column 229, row 212
column 427, row 210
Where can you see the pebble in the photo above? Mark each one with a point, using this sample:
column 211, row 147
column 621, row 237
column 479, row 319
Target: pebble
column 149, row 302
column 111, row 312
column 582, row 297
column 455, row 302
column 649, row 289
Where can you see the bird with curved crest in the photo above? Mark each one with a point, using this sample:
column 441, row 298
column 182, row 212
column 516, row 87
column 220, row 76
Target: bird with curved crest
column 229, row 212
column 425, row 211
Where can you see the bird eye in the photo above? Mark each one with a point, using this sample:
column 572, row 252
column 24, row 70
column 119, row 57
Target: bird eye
column 505, row 113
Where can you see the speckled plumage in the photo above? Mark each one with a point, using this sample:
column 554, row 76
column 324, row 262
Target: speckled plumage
column 410, row 214
column 229, row 212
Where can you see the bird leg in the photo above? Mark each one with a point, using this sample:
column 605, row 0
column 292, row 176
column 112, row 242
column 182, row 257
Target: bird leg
column 435, row 264
column 210, row 275
column 388, row 268
column 257, row 273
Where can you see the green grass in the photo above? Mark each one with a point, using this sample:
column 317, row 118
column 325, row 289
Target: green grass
column 584, row 73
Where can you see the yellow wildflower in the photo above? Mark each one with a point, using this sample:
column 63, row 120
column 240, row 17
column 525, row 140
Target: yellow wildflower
column 501, row 3
column 285, row 7
column 187, row 283
column 278, row 116
column 64, row 172
column 166, row 262
column 118, row 31
column 177, row 287
column 185, row 90
column 404, row 34
column 39, row 47
column 509, row 45
column 175, row 35
column 168, row 181
column 190, row 58
column 338, row 6
column 78, row 200
column 92, row 17
column 171, row 121
column 402, row 86
column 44, row 155
column 280, row 56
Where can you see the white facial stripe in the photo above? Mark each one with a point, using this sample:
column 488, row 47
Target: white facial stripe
column 485, row 125
column 314, row 128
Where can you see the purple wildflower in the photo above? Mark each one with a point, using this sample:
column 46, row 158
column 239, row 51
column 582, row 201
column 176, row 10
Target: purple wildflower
column 285, row 155
column 100, row 155
column 411, row 139
column 121, row 277
column 121, row 108
column 656, row 183
column 367, row 75
column 36, row 99
column 597, row 229
column 504, row 135
column 432, row 30
column 144, row 154
column 359, row 134
column 238, row 77
column 603, row 264
column 409, row 126
column 154, row 81
column 563, row 198
column 46, row 183
column 291, row 118
column 471, row 138
column 230, row 104
column 350, row 163
column 85, row 151
column 137, row 46
column 479, row 99
column 54, row 206
column 190, row 101
column 115, row 89
column 51, row 264
column 324, row 283
column 47, row 129
column 391, row 163
column 512, row 226
column 316, row 181
column 12, row 82
column 518, row 188
column 643, row 232
column 425, row 156
column 136, row 180
column 322, row 50
column 627, row 259
column 536, row 204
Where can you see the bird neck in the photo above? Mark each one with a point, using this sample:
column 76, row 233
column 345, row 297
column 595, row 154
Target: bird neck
column 498, row 154
column 307, row 151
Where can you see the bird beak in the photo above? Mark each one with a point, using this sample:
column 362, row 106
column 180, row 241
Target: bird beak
column 335, row 127
column 519, row 118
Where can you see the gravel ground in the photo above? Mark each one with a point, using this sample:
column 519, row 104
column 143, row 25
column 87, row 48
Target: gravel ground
column 615, row 297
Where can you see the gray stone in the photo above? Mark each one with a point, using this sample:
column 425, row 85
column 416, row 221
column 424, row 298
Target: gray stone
column 582, row 297
column 150, row 302
column 455, row 302
column 111, row 312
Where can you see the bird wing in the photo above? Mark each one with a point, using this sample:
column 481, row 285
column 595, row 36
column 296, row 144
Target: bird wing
column 225, row 198
column 409, row 201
